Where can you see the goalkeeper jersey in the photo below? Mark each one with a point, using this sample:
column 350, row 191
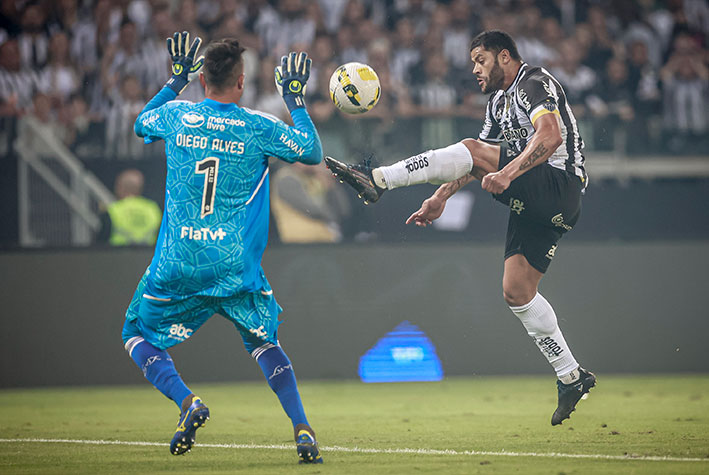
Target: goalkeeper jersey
column 215, row 225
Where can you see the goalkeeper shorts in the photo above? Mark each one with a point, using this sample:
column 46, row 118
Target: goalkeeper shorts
column 167, row 322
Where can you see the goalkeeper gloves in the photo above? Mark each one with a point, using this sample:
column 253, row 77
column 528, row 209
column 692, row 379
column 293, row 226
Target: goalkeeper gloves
column 291, row 77
column 184, row 66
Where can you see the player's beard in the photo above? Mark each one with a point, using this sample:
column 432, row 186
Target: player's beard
column 495, row 80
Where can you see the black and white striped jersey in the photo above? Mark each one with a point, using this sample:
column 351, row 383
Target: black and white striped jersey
column 510, row 114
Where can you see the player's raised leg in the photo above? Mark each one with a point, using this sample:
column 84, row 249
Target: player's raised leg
column 279, row 374
column 520, row 289
column 438, row 166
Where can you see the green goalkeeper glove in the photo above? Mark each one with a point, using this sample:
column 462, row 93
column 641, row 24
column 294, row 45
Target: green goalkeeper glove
column 184, row 66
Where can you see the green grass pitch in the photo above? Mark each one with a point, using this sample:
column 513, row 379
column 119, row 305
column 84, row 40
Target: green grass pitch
column 488, row 425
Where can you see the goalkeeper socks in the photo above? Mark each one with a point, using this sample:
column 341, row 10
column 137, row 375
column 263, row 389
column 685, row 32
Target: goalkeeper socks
column 158, row 368
column 539, row 319
column 278, row 371
column 438, row 166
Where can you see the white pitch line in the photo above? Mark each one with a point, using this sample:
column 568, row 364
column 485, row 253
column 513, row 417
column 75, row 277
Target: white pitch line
column 335, row 448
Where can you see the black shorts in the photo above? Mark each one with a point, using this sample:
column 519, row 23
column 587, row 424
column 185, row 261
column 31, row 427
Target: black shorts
column 545, row 203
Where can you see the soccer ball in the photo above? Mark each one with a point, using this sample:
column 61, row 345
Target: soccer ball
column 355, row 88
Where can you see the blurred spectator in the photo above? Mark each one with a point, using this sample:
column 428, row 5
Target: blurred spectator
column 86, row 131
column 17, row 84
column 436, row 99
column 349, row 51
column 126, row 104
column 418, row 12
column 601, row 48
column 132, row 219
column 529, row 44
column 40, row 127
column 77, row 24
column 60, row 78
column 611, row 105
column 152, row 55
column 406, row 54
column 307, row 205
column 33, row 40
column 577, row 79
column 9, row 20
column 268, row 100
column 123, row 57
column 644, row 80
column 187, row 14
column 286, row 26
column 685, row 82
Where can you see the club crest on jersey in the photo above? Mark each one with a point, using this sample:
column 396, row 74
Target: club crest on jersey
column 192, row 120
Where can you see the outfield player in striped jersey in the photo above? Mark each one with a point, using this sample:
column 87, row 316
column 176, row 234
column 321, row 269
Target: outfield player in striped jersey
column 215, row 226
column 529, row 156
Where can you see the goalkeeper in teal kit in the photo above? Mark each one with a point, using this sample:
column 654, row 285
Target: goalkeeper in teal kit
column 215, row 226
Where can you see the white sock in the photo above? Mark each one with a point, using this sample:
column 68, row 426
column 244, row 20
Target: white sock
column 438, row 166
column 539, row 319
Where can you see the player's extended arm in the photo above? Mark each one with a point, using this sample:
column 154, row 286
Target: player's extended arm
column 184, row 69
column 291, row 78
column 546, row 139
column 433, row 207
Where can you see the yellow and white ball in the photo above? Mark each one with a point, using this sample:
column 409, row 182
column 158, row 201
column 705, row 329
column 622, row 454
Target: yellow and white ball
column 355, row 88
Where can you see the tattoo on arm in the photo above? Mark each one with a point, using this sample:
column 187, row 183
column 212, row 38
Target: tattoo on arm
column 536, row 154
column 449, row 189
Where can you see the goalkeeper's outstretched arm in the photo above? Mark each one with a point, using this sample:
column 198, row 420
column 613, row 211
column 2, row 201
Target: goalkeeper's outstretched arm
column 291, row 78
column 185, row 68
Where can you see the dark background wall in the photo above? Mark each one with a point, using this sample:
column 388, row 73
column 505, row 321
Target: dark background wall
column 637, row 307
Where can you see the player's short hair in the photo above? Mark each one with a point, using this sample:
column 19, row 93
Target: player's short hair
column 223, row 63
column 496, row 41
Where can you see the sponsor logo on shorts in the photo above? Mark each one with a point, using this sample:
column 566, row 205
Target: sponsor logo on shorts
column 201, row 234
column 549, row 346
column 558, row 221
column 550, row 252
column 259, row 332
column 192, row 120
column 280, row 369
column 516, row 205
column 180, row 332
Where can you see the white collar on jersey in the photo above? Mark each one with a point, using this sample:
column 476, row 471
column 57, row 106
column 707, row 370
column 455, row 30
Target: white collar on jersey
column 520, row 73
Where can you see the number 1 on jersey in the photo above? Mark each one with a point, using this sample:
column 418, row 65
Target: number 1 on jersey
column 209, row 167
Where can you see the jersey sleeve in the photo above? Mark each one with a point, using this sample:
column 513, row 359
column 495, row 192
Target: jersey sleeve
column 292, row 144
column 152, row 124
column 538, row 97
column 491, row 129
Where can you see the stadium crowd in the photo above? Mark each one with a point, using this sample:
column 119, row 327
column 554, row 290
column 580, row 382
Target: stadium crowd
column 85, row 68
